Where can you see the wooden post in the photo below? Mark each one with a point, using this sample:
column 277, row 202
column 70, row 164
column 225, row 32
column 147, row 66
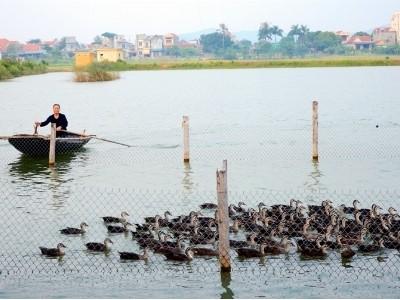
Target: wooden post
column 223, row 219
column 52, row 148
column 315, row 131
column 185, row 125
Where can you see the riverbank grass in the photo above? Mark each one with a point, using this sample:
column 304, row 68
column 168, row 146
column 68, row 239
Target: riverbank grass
column 10, row 68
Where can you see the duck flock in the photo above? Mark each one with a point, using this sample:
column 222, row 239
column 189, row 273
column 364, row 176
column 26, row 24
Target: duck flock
column 312, row 230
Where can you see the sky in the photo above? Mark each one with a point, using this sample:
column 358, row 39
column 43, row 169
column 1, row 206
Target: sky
column 46, row 19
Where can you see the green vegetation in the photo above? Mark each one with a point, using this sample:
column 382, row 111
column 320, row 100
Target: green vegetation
column 12, row 68
column 328, row 61
column 299, row 42
column 97, row 72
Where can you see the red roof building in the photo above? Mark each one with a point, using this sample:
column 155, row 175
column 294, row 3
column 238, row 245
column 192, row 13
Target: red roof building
column 360, row 42
column 4, row 45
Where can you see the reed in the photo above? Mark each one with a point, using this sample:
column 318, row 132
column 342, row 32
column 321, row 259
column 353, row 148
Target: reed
column 95, row 72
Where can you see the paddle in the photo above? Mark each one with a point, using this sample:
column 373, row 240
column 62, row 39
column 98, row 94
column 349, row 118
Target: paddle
column 98, row 138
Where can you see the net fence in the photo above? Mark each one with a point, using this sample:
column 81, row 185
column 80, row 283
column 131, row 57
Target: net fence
column 137, row 233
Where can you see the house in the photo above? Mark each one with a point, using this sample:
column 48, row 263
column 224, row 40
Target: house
column 4, row 43
column 189, row 44
column 344, row 36
column 109, row 54
column 31, row 51
column 360, row 42
column 49, row 44
column 84, row 58
column 71, row 44
column 170, row 40
column 149, row 46
column 143, row 45
column 384, row 36
column 156, row 45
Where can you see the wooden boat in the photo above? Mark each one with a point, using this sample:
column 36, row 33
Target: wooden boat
column 38, row 145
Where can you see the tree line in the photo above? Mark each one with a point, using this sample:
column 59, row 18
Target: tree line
column 300, row 41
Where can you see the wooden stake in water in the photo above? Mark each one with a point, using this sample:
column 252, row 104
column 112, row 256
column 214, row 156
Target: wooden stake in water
column 185, row 125
column 315, row 131
column 52, row 148
column 223, row 219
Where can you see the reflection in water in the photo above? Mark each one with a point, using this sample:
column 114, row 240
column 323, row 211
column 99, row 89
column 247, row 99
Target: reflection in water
column 313, row 183
column 187, row 181
column 225, row 282
column 34, row 174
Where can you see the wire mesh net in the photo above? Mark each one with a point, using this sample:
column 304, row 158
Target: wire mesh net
column 136, row 233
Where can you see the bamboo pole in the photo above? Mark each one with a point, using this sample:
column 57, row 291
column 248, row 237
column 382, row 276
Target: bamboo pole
column 52, row 148
column 315, row 131
column 185, row 125
column 223, row 219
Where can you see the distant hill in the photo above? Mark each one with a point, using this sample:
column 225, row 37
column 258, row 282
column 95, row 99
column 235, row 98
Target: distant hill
column 251, row 35
column 240, row 35
column 195, row 35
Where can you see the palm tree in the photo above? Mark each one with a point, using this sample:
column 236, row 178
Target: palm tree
column 276, row 31
column 264, row 32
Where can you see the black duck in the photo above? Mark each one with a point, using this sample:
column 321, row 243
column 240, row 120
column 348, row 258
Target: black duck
column 71, row 230
column 53, row 252
column 118, row 229
column 108, row 219
column 99, row 247
column 251, row 252
column 180, row 255
column 133, row 255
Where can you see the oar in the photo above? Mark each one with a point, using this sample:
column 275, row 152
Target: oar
column 98, row 138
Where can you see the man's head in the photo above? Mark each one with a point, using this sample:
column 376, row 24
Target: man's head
column 56, row 108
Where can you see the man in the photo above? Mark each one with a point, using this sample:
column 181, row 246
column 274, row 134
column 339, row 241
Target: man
column 56, row 117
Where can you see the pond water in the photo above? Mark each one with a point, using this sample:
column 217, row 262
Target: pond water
column 257, row 119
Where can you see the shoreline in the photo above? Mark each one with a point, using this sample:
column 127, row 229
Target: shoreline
column 245, row 64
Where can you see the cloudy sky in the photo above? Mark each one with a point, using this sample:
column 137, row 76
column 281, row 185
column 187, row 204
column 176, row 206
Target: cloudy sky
column 25, row 19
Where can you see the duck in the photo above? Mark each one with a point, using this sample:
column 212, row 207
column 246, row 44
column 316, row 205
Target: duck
column 119, row 229
column 320, row 251
column 163, row 222
column 308, row 244
column 282, row 248
column 345, row 251
column 199, row 251
column 372, row 247
column 251, row 252
column 142, row 234
column 353, row 239
column 187, row 255
column 319, row 209
column 108, row 219
column 99, row 247
column 238, row 244
column 54, row 252
column 208, row 206
column 168, row 246
column 240, row 208
column 293, row 204
column 392, row 242
column 71, row 230
column 203, row 237
column 349, row 210
column 235, row 227
column 134, row 256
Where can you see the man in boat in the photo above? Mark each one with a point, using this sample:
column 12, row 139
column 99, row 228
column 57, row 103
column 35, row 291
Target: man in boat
column 58, row 118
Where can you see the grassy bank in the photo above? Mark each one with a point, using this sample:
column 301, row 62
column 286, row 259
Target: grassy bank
column 12, row 68
column 168, row 64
